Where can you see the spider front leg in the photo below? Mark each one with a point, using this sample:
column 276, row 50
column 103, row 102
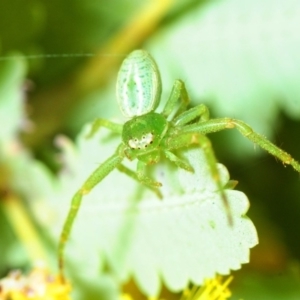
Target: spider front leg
column 183, row 116
column 178, row 92
column 200, row 111
column 178, row 162
column 134, row 176
column 96, row 177
column 114, row 127
column 215, row 125
column 185, row 140
column 143, row 178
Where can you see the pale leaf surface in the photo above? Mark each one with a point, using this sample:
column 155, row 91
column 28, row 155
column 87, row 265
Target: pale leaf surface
column 184, row 237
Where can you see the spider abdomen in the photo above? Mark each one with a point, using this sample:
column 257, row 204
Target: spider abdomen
column 138, row 84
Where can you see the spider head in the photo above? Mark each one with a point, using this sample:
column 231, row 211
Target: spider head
column 144, row 133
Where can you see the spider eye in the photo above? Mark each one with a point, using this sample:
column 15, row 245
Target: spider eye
column 141, row 143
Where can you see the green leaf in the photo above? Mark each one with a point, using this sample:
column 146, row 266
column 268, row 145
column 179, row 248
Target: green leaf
column 184, row 237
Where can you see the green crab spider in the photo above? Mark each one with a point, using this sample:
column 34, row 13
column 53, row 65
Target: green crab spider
column 149, row 135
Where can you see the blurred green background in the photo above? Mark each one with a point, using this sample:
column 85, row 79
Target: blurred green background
column 58, row 64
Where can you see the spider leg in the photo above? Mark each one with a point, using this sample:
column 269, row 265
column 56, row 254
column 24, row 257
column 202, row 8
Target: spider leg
column 114, row 127
column 143, row 178
column 183, row 116
column 200, row 111
column 178, row 162
column 215, row 125
column 96, row 177
column 178, row 92
column 134, row 176
column 185, row 140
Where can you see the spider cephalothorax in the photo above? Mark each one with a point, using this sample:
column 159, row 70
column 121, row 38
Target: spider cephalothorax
column 145, row 132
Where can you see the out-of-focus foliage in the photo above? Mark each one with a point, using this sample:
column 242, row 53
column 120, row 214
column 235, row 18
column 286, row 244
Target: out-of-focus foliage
column 11, row 114
column 12, row 75
column 41, row 27
column 19, row 172
column 269, row 286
